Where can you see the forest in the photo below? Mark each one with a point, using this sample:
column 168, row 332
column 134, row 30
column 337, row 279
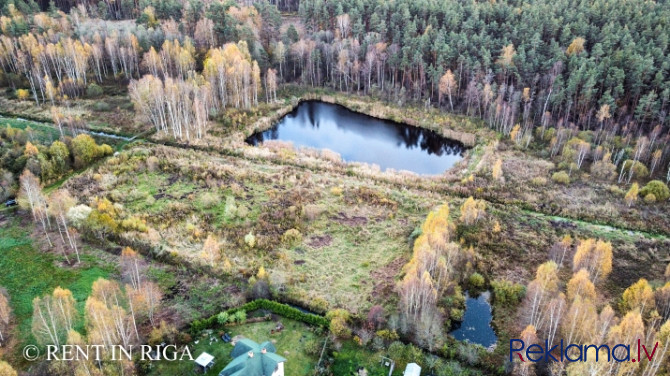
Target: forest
column 146, row 216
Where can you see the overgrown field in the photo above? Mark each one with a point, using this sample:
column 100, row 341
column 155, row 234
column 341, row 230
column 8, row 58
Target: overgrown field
column 326, row 239
column 329, row 240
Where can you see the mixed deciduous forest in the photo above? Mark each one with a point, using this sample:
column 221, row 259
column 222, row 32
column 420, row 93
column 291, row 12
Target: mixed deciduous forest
column 143, row 217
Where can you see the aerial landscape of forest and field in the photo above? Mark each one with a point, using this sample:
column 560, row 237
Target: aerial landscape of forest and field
column 334, row 187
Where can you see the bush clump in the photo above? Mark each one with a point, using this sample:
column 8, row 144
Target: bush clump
column 538, row 181
column 292, row 237
column 101, row 107
column 275, row 307
column 476, row 281
column 657, row 188
column 507, row 293
column 250, row 240
column 208, row 200
column 649, row 198
column 639, row 169
column 93, row 91
column 561, row 177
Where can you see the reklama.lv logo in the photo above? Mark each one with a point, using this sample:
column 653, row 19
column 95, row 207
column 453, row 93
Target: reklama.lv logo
column 579, row 353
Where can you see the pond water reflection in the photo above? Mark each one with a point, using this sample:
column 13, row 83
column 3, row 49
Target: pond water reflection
column 361, row 138
column 476, row 324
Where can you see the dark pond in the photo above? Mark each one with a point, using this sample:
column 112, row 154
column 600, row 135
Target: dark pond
column 361, row 138
column 476, row 324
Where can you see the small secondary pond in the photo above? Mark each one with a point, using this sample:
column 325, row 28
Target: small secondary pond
column 476, row 324
column 362, row 138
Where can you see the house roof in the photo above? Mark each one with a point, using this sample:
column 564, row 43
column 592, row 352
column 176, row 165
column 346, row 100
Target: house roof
column 204, row 359
column 412, row 369
column 250, row 360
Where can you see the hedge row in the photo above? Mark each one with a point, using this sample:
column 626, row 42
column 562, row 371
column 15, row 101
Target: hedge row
column 275, row 307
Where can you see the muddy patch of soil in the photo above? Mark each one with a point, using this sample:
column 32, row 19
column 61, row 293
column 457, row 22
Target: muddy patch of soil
column 350, row 221
column 319, row 241
column 384, row 279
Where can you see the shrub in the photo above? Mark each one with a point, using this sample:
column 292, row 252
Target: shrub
column 260, row 290
column 456, row 314
column 134, row 224
column 292, row 237
column 507, row 293
column 208, row 200
column 230, row 210
column 338, row 326
column 223, row 318
column 632, row 194
column 94, row 91
column 163, row 333
column 152, row 163
column 561, row 177
column 150, row 200
column 388, row 335
column 275, row 307
column 616, row 190
column 639, row 169
column 657, row 188
column 240, row 316
column 472, row 211
column 336, row 191
column 313, row 347
column 338, row 322
column 250, row 240
column 22, row 94
column 603, row 169
column 78, row 214
column 101, row 107
column 85, row 150
column 538, row 181
column 476, row 281
column 319, row 305
column 242, row 212
column 649, row 198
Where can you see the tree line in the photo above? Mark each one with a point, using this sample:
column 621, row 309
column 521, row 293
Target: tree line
column 543, row 73
column 573, row 311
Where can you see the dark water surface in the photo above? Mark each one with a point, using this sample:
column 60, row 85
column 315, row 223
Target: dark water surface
column 361, row 138
column 476, row 324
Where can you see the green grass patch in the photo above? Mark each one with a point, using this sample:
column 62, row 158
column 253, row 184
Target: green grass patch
column 41, row 132
column 28, row 273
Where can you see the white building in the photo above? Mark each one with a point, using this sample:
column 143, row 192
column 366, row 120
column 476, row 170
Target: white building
column 412, row 369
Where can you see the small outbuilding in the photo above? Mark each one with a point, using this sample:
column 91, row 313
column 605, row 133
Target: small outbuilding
column 205, row 361
column 412, row 369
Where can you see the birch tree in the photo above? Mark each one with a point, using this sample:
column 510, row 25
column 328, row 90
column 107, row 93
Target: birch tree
column 540, row 289
column 60, row 203
column 472, row 211
column 53, row 317
column 108, row 321
column 30, row 196
column 132, row 267
column 447, row 86
column 595, row 257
